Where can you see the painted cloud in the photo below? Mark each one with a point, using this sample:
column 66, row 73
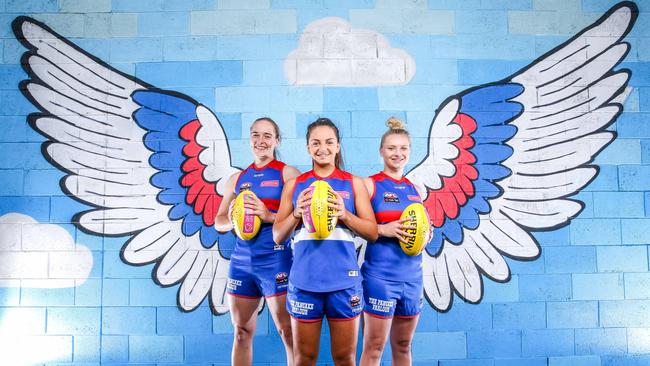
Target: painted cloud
column 40, row 255
column 333, row 53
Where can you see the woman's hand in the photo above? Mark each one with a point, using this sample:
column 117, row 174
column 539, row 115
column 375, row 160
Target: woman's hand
column 302, row 202
column 396, row 229
column 337, row 203
column 253, row 205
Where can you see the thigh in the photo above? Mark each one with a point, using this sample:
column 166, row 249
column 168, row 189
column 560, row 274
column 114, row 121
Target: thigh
column 241, row 282
column 243, row 311
column 402, row 330
column 343, row 337
column 306, row 339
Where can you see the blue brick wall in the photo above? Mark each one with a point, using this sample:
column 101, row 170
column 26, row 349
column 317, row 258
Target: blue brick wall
column 584, row 301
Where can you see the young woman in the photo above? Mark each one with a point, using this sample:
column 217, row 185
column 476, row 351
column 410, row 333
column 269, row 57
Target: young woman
column 392, row 280
column 258, row 267
column 325, row 279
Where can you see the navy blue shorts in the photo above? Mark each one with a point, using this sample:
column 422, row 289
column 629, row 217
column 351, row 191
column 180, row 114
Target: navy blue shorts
column 266, row 280
column 385, row 299
column 307, row 306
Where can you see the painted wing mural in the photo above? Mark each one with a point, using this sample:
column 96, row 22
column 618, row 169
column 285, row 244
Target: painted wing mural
column 504, row 158
column 150, row 162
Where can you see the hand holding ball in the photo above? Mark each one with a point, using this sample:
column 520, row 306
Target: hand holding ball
column 246, row 225
column 318, row 218
column 419, row 229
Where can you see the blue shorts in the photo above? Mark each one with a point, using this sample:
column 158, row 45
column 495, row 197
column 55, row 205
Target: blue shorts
column 385, row 299
column 307, row 306
column 266, row 280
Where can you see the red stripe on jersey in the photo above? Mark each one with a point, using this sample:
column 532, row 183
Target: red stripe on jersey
column 387, row 216
column 271, row 204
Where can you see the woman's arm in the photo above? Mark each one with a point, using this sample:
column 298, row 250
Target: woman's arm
column 288, row 216
column 363, row 223
column 222, row 222
column 288, row 173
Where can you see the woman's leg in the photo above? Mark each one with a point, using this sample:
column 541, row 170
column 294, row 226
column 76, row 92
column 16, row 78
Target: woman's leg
column 243, row 312
column 401, row 337
column 278, row 310
column 375, row 334
column 306, row 341
column 343, row 339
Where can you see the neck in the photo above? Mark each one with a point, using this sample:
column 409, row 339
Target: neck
column 396, row 174
column 262, row 161
column 324, row 170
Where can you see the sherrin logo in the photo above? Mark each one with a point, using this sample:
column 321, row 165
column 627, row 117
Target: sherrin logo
column 419, row 230
column 320, row 219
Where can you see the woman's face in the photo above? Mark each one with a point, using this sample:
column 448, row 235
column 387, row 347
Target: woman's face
column 395, row 151
column 323, row 145
column 263, row 139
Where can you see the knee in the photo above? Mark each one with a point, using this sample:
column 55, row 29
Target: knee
column 304, row 358
column 402, row 346
column 374, row 346
column 341, row 358
column 243, row 334
column 285, row 331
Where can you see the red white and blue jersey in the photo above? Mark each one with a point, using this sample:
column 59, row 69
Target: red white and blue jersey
column 329, row 264
column 384, row 258
column 266, row 182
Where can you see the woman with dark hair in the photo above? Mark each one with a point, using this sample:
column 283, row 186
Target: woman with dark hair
column 392, row 280
column 324, row 279
column 258, row 267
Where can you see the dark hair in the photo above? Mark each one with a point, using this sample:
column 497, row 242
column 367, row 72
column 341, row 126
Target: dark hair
column 338, row 159
column 276, row 128
column 395, row 127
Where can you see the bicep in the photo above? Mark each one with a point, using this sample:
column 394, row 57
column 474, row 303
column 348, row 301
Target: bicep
column 289, row 173
column 286, row 203
column 228, row 195
column 362, row 200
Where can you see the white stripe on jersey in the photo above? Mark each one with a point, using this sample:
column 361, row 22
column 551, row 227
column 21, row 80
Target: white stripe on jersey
column 337, row 234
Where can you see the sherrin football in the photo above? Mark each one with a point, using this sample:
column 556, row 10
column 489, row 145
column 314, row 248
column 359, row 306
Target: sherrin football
column 246, row 225
column 420, row 229
column 320, row 220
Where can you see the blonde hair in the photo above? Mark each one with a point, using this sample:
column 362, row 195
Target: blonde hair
column 395, row 127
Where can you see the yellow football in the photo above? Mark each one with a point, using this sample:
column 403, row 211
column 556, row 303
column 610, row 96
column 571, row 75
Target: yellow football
column 420, row 229
column 320, row 220
column 246, row 225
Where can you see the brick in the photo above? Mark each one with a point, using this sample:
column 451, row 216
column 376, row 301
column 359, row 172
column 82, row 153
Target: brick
column 570, row 259
column 306, row 16
column 114, row 348
column 47, row 297
column 124, row 24
column 450, row 345
column 637, row 340
column 145, row 292
column 50, row 348
column 263, row 72
column 574, row 361
column 548, row 287
column 595, row 232
column 598, row 286
column 637, row 285
column 97, row 6
column 418, row 4
column 464, row 316
column 621, row 151
column 73, row 321
column 410, row 97
column 42, row 182
column 493, row 47
column 466, row 362
column 624, row 313
column 482, row 22
column 557, row 5
column 372, row 123
column 382, row 20
column 619, row 204
column 528, row 22
column 214, row 348
column 572, row 314
column 494, row 344
column 299, row 99
column 496, row 292
column 136, row 50
column 155, row 348
column 644, row 98
column 22, row 321
column 172, row 321
column 454, row 4
column 274, row 21
column 9, row 296
column 629, row 360
column 128, row 320
column 11, row 182
column 631, row 125
column 242, row 99
column 251, row 4
column 17, row 6
column 189, row 5
column 609, row 341
column 38, row 207
column 622, row 259
column 428, row 22
column 200, row 48
column 506, row 4
column 520, row 315
column 224, row 22
column 531, row 361
column 97, row 25
column 606, row 180
column 343, row 99
column 635, row 231
column 352, row 4
column 86, row 349
column 163, row 24
column 428, row 321
column 645, row 152
column 191, row 74
column 634, row 177
column 137, row 6
column 88, row 292
column 545, row 342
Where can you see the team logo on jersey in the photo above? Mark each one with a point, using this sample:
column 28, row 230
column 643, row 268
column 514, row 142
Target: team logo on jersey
column 278, row 247
column 344, row 194
column 282, row 278
column 391, row 197
column 244, row 186
column 399, row 187
column 270, row 183
column 257, row 175
column 355, row 300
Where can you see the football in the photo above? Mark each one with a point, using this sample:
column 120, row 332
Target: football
column 419, row 220
column 246, row 225
column 320, row 220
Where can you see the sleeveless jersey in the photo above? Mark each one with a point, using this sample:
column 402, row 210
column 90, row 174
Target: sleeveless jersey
column 266, row 182
column 329, row 264
column 384, row 258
